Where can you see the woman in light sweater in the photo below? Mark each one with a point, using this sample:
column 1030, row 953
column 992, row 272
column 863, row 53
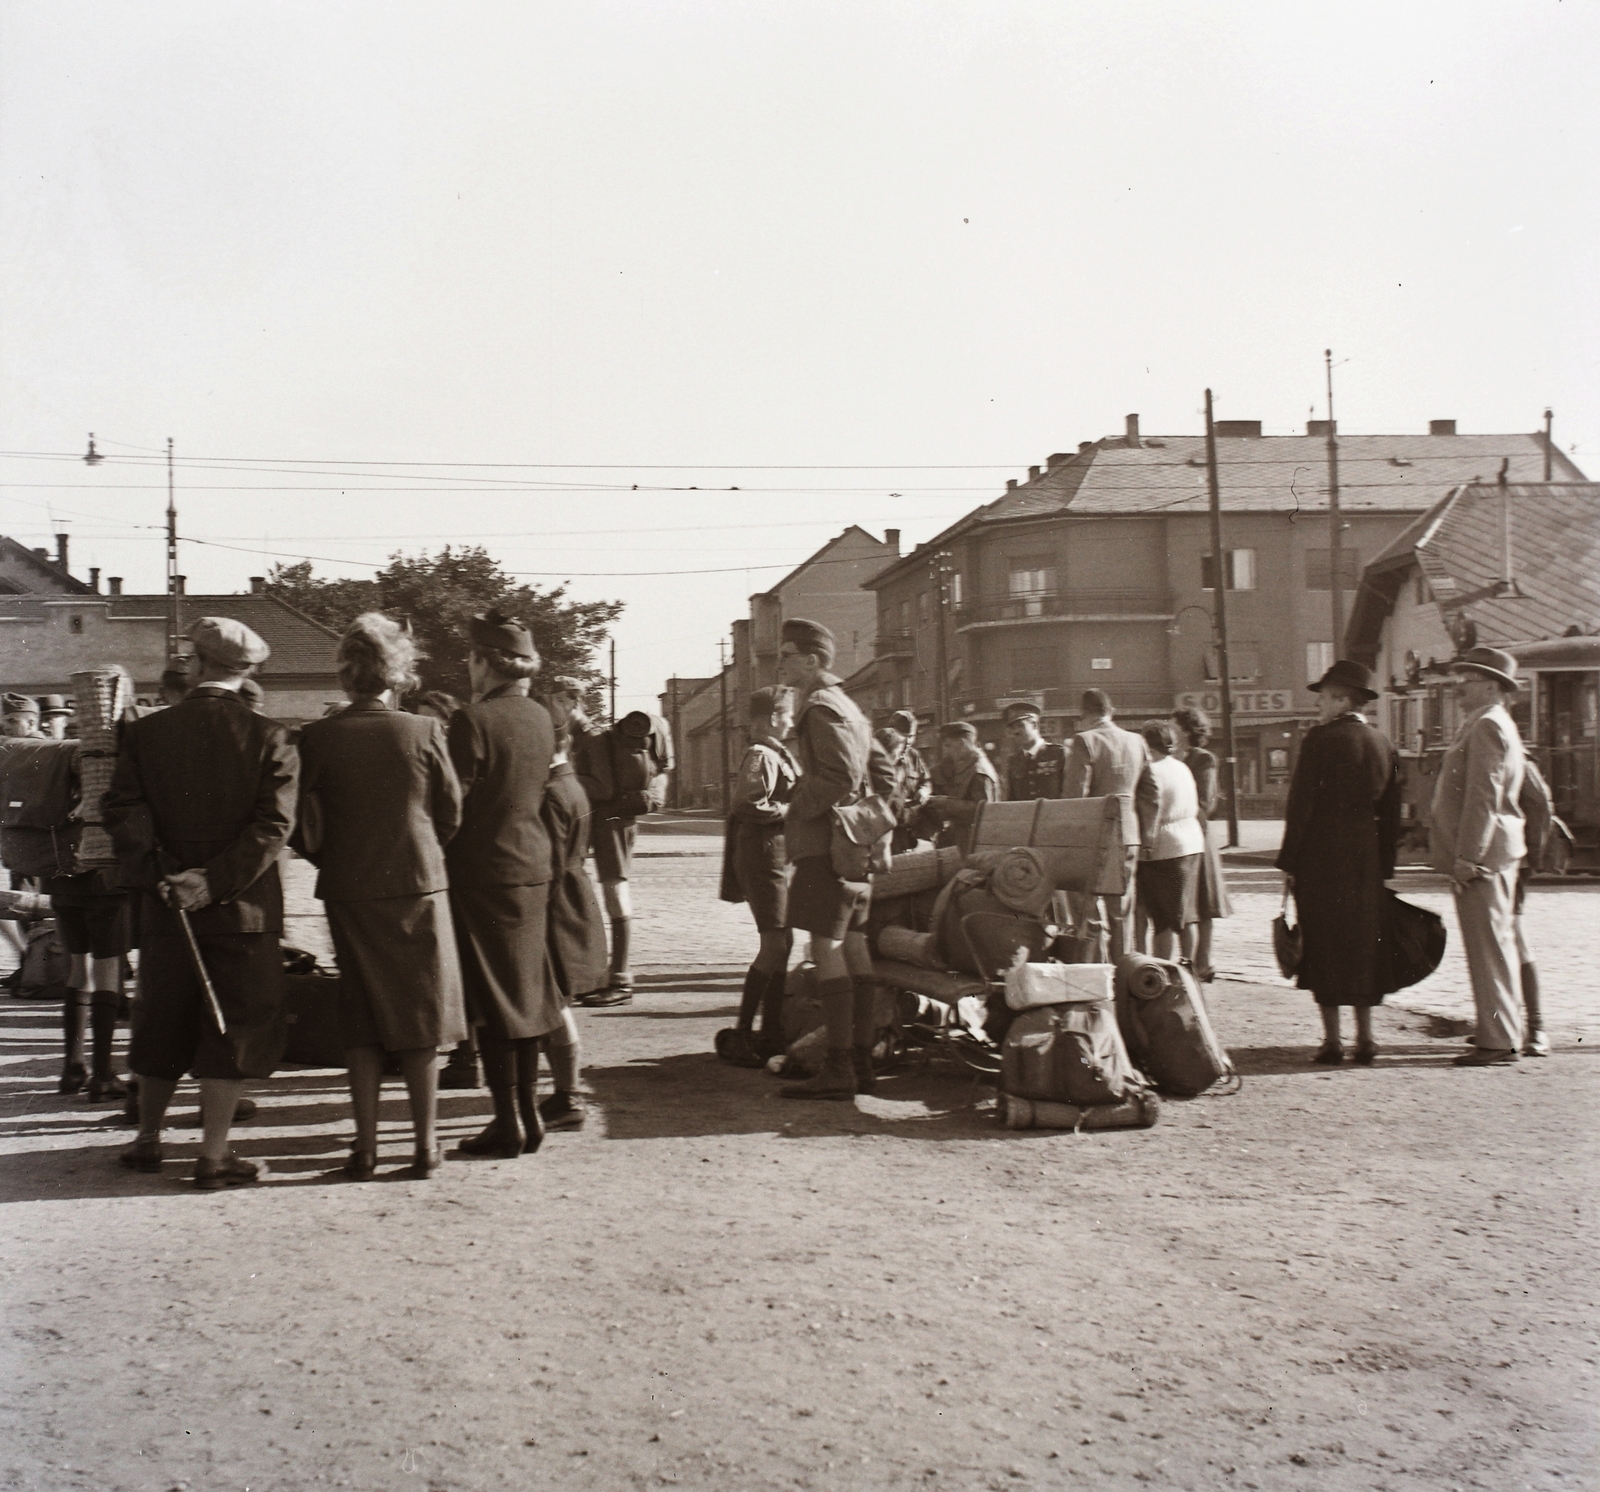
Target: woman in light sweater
column 1171, row 843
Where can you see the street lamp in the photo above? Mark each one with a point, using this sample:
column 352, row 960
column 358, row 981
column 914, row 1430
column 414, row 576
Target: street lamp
column 93, row 458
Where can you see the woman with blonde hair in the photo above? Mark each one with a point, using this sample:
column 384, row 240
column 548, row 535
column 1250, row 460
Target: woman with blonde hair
column 379, row 800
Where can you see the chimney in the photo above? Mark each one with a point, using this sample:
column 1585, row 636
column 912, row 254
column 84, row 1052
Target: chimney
column 61, row 550
column 1011, row 484
column 114, row 585
column 43, row 554
column 1133, row 431
column 1323, row 428
column 258, row 583
column 1441, row 427
column 1057, row 458
column 1033, row 473
column 1085, row 445
column 94, row 579
column 1239, row 429
column 180, row 583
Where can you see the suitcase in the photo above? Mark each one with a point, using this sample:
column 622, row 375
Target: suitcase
column 1164, row 1024
column 1067, row 1054
column 312, row 1011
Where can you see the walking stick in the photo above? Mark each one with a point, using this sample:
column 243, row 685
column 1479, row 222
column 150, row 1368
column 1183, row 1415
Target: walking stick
column 199, row 963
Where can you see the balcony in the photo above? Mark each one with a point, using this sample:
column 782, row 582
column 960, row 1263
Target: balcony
column 1065, row 606
column 894, row 645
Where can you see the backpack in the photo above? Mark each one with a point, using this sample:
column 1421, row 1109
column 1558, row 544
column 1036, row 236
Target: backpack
column 38, row 792
column 641, row 757
column 1166, row 1028
column 46, row 964
column 1068, row 1054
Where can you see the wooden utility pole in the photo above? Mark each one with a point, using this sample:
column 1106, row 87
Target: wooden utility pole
column 1219, row 621
column 939, row 571
column 175, row 622
column 722, row 686
column 677, row 747
column 1335, row 522
column 1549, row 444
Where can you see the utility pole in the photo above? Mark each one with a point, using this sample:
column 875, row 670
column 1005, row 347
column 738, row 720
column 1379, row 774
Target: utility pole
column 1549, row 445
column 1219, row 619
column 613, row 680
column 939, row 571
column 677, row 747
column 175, row 623
column 1335, row 523
column 722, row 686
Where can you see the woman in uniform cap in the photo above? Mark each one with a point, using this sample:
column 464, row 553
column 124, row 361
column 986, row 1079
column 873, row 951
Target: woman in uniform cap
column 379, row 801
column 500, row 869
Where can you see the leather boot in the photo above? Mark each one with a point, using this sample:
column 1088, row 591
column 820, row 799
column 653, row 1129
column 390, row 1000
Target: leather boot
column 1535, row 1042
column 103, row 1082
column 621, row 979
column 836, row 1081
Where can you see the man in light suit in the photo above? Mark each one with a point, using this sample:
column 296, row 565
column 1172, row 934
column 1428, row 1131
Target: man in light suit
column 1477, row 839
column 1105, row 759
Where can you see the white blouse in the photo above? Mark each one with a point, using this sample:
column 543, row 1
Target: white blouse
column 1177, row 828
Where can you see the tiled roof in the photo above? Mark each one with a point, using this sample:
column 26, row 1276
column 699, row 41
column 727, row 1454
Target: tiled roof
column 1272, row 473
column 299, row 645
column 54, row 578
column 1459, row 546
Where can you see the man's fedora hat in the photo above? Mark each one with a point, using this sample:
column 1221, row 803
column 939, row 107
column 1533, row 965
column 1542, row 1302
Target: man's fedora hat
column 493, row 629
column 1347, row 674
column 1021, row 709
column 52, row 704
column 1500, row 666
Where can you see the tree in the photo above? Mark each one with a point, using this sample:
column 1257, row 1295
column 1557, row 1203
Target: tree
column 439, row 593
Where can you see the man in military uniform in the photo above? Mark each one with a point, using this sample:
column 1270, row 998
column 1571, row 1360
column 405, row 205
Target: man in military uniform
column 200, row 807
column 20, row 720
column 963, row 778
column 912, row 780
column 1036, row 766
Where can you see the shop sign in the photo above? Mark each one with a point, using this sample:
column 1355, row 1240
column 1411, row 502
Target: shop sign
column 1245, row 701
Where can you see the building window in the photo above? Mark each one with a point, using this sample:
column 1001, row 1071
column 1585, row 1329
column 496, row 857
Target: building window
column 1424, row 591
column 1241, row 572
column 1319, row 658
column 1033, row 668
column 922, row 608
column 1319, row 569
column 1033, row 575
column 955, row 588
column 1244, row 663
column 905, row 616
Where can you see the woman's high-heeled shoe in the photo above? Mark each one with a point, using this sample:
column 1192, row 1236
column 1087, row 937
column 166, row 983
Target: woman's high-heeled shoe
column 362, row 1165
column 1330, row 1054
column 424, row 1163
column 1366, row 1053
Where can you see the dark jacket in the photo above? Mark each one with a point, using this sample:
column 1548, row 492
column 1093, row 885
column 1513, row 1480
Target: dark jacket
column 1038, row 773
column 575, row 925
column 501, row 747
column 209, row 785
column 951, row 811
column 388, row 800
column 839, row 763
column 1341, row 826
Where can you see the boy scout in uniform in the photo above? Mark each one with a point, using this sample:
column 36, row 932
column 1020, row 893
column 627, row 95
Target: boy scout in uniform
column 1037, row 766
column 839, row 763
column 963, row 778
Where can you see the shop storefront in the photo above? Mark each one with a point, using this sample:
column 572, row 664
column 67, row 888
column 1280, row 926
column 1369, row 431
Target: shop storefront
column 1266, row 734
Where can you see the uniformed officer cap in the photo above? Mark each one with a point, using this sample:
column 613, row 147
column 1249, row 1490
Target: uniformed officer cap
column 227, row 643
column 493, row 629
column 809, row 637
column 20, row 704
column 958, row 730
column 904, row 722
column 1022, row 709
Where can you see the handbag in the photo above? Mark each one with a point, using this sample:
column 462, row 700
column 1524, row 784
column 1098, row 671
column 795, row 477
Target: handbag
column 859, row 843
column 1288, row 944
column 1416, row 939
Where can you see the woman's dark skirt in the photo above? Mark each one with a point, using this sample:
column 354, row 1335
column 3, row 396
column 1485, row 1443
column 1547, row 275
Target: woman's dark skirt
column 502, row 935
column 399, row 975
column 1212, row 897
column 1169, row 892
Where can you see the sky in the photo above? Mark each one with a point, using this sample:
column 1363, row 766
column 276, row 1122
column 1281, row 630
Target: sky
column 394, row 275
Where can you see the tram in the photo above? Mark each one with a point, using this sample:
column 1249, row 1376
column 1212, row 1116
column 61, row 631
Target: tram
column 1558, row 713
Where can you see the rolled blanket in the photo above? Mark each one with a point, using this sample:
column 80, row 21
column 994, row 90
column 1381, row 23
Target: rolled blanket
column 923, row 870
column 909, row 947
column 1019, row 879
column 1143, row 978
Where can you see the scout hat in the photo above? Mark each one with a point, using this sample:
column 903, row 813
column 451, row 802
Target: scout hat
column 493, row 629
column 809, row 637
column 1021, row 709
column 958, row 730
column 20, row 704
column 53, row 704
column 1500, row 666
column 904, row 722
column 1347, row 674
column 227, row 643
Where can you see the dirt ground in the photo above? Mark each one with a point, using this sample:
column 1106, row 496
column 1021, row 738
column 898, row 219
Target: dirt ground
column 1366, row 1278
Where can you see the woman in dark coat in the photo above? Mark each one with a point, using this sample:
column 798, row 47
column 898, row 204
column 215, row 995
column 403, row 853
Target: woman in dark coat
column 500, row 870
column 577, row 929
column 1212, row 897
column 379, row 801
column 1342, row 825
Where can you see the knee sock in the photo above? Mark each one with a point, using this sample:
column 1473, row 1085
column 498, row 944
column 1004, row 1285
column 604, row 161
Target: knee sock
column 838, row 1001
column 500, row 1074
column 563, row 1064
column 73, row 1008
column 1530, row 999
column 619, row 946
column 755, row 983
column 526, row 1058
column 864, row 991
column 772, row 996
column 103, row 1025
